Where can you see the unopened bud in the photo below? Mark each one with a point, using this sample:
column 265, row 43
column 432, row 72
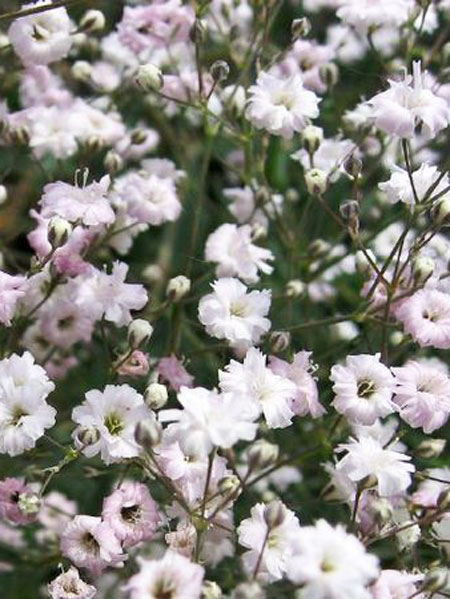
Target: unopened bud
column 396, row 338
column 87, row 436
column 261, row 454
column 149, row 77
column 59, row 231
column 350, row 213
column 441, row 212
column 353, row 166
column 435, row 580
column 138, row 136
column 219, row 71
column 329, row 74
column 312, row 137
column 262, row 196
column 443, row 501
column 29, row 503
column 318, row 247
column 95, row 143
column 92, row 20
column 148, row 433
column 229, row 484
column 274, row 514
column 431, row 448
column 197, row 32
column 152, row 273
column 316, row 181
column 178, row 287
column 292, row 196
column 248, row 590
column 113, row 162
column 82, row 70
column 295, row 288
column 20, row 135
column 300, row 28
column 279, row 341
column 156, row 396
column 3, row 194
column 423, row 268
column 139, row 333
column 211, row 590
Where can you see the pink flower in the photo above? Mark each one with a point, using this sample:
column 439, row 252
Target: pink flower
column 12, row 289
column 426, row 317
column 10, row 491
column 172, row 371
column 90, row 543
column 393, row 584
column 69, row 585
column 131, row 513
column 136, row 365
column 299, row 371
column 423, row 394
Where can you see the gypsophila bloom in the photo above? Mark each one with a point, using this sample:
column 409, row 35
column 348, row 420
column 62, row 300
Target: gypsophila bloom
column 172, row 371
column 173, row 576
column 69, row 585
column 12, row 289
column 366, row 457
column 423, row 395
column 11, row 489
column 132, row 513
column 403, row 106
column 394, row 584
column 330, row 563
column 24, row 413
column 276, row 549
column 92, row 544
column 426, row 317
column 363, row 389
column 281, row 105
column 41, row 38
column 427, row 494
column 114, row 413
column 398, row 188
column 234, row 314
column 365, row 14
column 232, row 249
column 260, row 390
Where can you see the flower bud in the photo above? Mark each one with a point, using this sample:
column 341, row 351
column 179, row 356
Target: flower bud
column 300, row 28
column 382, row 510
column 95, row 143
column 292, row 196
column 229, row 484
column 197, row 32
column 59, row 231
column 29, row 503
column 139, row 332
column 149, row 77
column 435, row 580
column 82, row 71
column 178, row 287
column 3, row 194
column 350, row 213
column 423, row 268
column 156, row 396
column 92, row 20
column 318, row 247
column 312, row 137
column 329, row 74
column 295, row 288
column 261, row 454
column 152, row 273
column 20, row 135
column 211, row 590
column 248, row 590
column 148, row 433
column 353, row 166
column 279, row 341
column 219, row 71
column 138, row 137
column 86, row 436
column 113, row 162
column 431, row 448
column 441, row 212
column 274, row 514
column 396, row 338
column 443, row 501
column 316, row 181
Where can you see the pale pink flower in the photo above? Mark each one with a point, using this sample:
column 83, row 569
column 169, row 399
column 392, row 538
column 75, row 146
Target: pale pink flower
column 12, row 289
column 41, row 38
column 426, row 317
column 423, row 395
column 363, row 389
column 132, row 513
column 183, row 539
column 55, row 513
column 299, row 371
column 87, row 204
column 365, row 14
column 429, row 489
column 398, row 188
column 172, row 370
column 92, row 544
column 173, row 576
column 10, row 491
column 281, row 105
column 231, row 247
column 135, row 365
column 69, row 585
column 395, row 584
column 63, row 323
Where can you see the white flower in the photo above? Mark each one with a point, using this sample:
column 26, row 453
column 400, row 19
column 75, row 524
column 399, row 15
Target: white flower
column 41, row 38
column 329, row 563
column 233, row 314
column 401, row 108
column 363, row 389
column 208, row 420
column 281, row 106
column 399, row 189
column 172, row 576
column 114, row 413
column 69, row 585
column 259, row 389
column 329, row 156
column 366, row 14
column 24, row 413
column 276, row 548
column 232, row 248
column 366, row 457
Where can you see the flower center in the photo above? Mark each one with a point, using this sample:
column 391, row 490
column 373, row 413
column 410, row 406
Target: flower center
column 164, row 589
column 114, row 423
column 65, row 323
column 238, row 309
column 366, row 388
column 430, row 316
column 40, row 33
column 285, row 99
column 17, row 414
column 90, row 543
column 327, row 566
column 131, row 514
